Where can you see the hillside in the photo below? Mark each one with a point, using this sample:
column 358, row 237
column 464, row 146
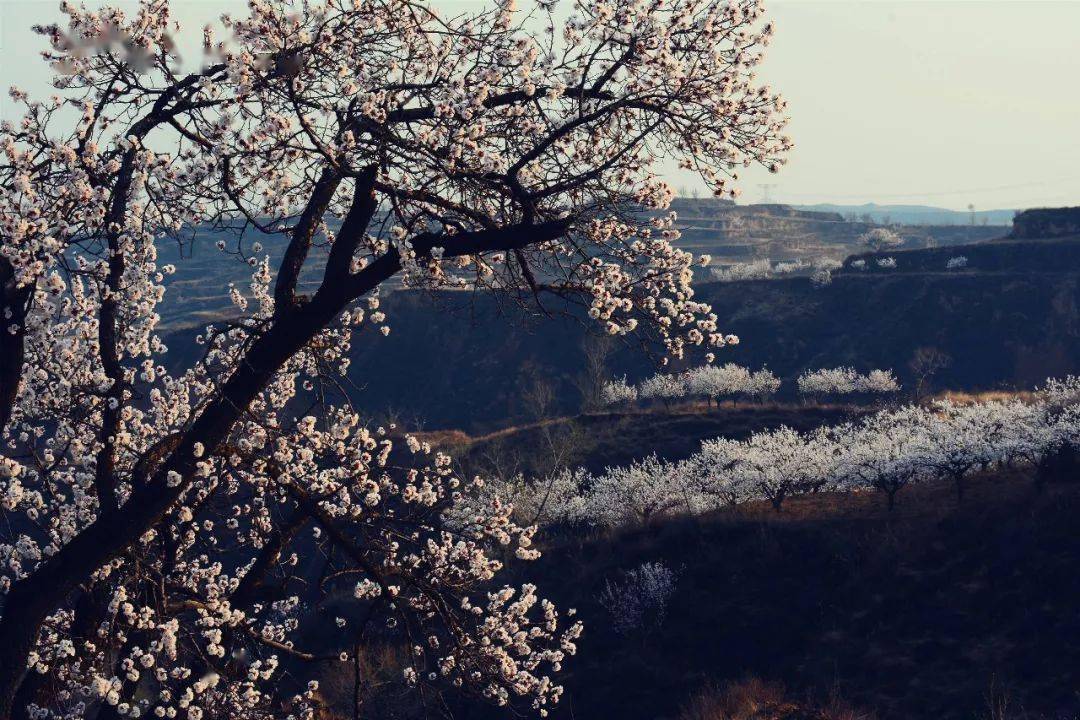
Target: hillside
column 915, row 214
column 938, row 612
column 605, row 439
column 198, row 293
column 1010, row 319
column 832, row 610
column 735, row 233
column 1047, row 222
column 1008, row 255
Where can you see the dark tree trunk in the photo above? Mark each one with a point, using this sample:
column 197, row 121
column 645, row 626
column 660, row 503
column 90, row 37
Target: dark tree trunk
column 14, row 302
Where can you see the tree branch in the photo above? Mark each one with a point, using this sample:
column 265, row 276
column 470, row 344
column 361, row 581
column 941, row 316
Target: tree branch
column 14, row 304
column 295, row 254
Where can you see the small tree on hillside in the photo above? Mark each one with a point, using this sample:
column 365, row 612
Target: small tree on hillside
column 781, row 462
column 662, row 386
column 881, row 239
column 925, row 363
column 885, row 451
column 960, row 439
column 717, row 381
column 618, row 392
column 381, row 142
column 762, row 384
column 595, row 349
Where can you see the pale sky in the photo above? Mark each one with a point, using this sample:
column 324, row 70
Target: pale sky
column 936, row 103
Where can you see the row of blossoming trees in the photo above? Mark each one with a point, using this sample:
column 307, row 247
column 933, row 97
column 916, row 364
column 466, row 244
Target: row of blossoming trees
column 883, row 452
column 151, row 519
column 716, row 382
column 764, row 269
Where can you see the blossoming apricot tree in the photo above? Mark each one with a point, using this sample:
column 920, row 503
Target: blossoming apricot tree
column 150, row 519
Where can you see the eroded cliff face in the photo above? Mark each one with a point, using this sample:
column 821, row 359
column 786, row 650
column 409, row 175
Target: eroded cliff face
column 1046, row 223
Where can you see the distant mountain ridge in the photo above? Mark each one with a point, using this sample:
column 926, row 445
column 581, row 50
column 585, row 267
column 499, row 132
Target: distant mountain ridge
column 914, row 214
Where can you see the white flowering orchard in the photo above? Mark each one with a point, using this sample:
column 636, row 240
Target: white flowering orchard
column 506, row 148
column 713, row 382
column 883, row 452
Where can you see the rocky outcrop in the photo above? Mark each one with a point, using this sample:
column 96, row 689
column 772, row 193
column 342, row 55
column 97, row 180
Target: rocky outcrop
column 1046, row 223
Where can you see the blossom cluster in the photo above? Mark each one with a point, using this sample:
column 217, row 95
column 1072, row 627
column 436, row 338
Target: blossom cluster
column 337, row 478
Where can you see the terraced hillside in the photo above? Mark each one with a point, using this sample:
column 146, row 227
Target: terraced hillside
column 478, row 365
column 736, row 233
column 730, row 233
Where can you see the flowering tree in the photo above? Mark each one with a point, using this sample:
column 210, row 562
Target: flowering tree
column 884, row 452
column 662, row 387
column 555, row 499
column 960, row 438
column 821, row 278
column 762, row 384
column 764, row 269
column 878, row 382
column 712, row 472
column 881, row 239
column 709, row 381
column 778, row 463
column 617, row 392
column 380, row 140
column 761, row 269
column 828, row 381
column 639, row 493
column 846, row 381
column 639, row 601
column 714, row 382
